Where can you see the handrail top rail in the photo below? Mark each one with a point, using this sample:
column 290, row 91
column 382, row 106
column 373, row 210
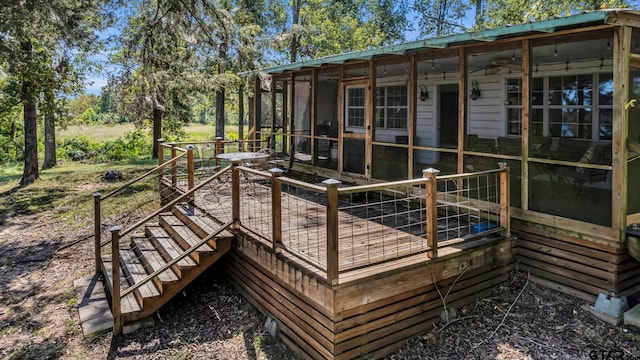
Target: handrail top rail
column 233, row 141
column 174, row 145
column 133, row 181
column 469, row 175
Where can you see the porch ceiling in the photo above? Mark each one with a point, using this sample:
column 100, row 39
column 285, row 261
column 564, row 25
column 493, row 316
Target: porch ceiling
column 547, row 26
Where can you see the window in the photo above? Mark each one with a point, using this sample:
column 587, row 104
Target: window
column 391, row 107
column 564, row 106
column 355, row 106
column 514, row 107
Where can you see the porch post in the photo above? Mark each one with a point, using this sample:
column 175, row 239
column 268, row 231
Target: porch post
column 235, row 192
column 430, row 176
column 97, row 230
column 276, row 209
column 115, row 276
column 505, row 200
column 174, row 167
column 332, row 230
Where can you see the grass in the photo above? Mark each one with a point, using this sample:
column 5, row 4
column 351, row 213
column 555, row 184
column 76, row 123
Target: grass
column 195, row 132
column 58, row 188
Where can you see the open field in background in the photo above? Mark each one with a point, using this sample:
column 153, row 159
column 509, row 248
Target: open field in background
column 195, row 132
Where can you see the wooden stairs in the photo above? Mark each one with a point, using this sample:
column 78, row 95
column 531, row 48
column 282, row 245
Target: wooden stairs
column 147, row 251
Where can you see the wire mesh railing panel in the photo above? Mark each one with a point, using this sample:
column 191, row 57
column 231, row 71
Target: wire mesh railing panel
column 215, row 199
column 468, row 206
column 255, row 204
column 177, row 173
column 304, row 223
column 379, row 225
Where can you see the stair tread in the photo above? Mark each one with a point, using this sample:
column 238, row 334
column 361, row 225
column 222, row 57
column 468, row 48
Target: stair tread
column 137, row 273
column 198, row 218
column 183, row 230
column 128, row 304
column 172, row 249
column 153, row 258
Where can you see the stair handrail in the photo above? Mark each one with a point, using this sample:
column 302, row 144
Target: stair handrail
column 186, row 195
column 175, row 260
column 131, row 182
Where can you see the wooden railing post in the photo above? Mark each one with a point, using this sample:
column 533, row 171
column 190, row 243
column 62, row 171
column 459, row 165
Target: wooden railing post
column 332, row 230
column 276, row 208
column 160, row 151
column 191, row 182
column 218, row 149
column 505, row 199
column 174, row 166
column 272, row 144
column 115, row 275
column 97, row 230
column 160, row 156
column 430, row 176
column 235, row 192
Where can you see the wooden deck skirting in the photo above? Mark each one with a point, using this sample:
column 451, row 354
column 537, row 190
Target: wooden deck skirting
column 377, row 309
column 576, row 266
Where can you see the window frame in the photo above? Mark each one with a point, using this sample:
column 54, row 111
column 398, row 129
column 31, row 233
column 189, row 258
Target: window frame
column 386, row 107
column 545, row 106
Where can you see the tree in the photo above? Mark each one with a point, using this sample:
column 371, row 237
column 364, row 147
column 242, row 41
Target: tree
column 498, row 13
column 33, row 33
column 168, row 54
column 440, row 17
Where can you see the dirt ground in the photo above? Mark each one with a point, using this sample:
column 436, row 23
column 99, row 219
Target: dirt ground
column 210, row 320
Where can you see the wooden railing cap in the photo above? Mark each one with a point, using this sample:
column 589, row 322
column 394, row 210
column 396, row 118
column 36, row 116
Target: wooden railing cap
column 430, row 171
column 332, row 182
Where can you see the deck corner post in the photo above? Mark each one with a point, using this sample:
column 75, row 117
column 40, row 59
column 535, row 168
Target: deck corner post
column 431, row 201
column 174, row 165
column 97, row 230
column 235, row 192
column 276, row 209
column 332, row 230
column 505, row 201
column 218, row 149
column 160, row 151
column 115, row 275
column 191, row 183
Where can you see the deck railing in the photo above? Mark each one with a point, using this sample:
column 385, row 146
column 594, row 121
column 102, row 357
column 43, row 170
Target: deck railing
column 333, row 227
column 127, row 203
column 338, row 229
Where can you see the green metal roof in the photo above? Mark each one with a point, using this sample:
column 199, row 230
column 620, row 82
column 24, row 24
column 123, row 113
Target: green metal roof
column 547, row 26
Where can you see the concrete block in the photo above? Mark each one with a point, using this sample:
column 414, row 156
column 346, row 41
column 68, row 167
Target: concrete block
column 632, row 317
column 97, row 325
column 272, row 326
column 612, row 306
column 137, row 325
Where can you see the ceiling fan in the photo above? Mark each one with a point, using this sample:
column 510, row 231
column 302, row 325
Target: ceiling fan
column 498, row 64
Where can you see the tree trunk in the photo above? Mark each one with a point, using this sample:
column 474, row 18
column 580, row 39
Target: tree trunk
column 294, row 39
column 220, row 94
column 241, row 112
column 478, row 11
column 30, row 173
column 50, row 159
column 157, row 130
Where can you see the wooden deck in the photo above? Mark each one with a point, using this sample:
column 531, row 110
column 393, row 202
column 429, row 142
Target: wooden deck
column 388, row 288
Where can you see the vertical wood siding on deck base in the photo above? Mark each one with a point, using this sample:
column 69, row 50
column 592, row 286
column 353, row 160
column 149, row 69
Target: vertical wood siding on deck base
column 372, row 315
column 579, row 267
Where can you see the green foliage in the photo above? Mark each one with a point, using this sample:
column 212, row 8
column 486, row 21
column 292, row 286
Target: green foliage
column 498, row 13
column 133, row 145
